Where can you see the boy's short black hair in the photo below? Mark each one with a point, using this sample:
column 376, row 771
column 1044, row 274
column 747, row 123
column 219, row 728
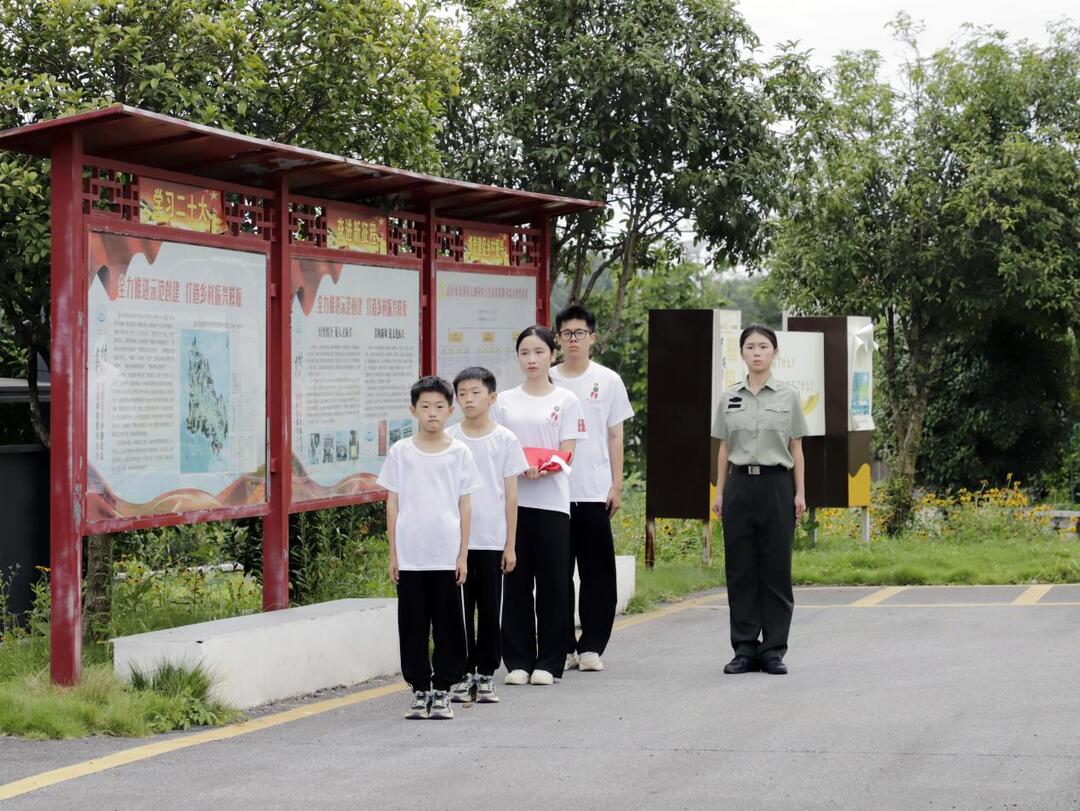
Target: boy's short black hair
column 575, row 312
column 476, row 373
column 431, row 383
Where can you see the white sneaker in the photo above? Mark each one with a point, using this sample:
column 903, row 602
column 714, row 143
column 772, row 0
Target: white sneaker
column 419, row 707
column 541, row 677
column 590, row 661
column 571, row 662
column 440, row 709
column 462, row 692
column 517, row 677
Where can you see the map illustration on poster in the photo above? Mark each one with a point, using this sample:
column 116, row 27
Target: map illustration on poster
column 204, row 400
column 478, row 317
column 176, row 378
column 355, row 353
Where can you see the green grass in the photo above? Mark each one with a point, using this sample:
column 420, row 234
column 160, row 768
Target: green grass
column 671, row 581
column 957, row 544
column 167, row 699
column 32, row 707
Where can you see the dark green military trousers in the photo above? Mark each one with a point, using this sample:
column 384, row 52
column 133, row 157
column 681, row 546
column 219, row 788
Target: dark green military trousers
column 759, row 531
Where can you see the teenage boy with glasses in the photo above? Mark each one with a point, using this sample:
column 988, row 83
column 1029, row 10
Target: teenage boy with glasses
column 595, row 484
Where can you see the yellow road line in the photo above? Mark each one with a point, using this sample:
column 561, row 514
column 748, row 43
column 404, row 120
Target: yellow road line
column 801, row 606
column 137, row 753
column 133, row 755
column 878, row 596
column 666, row 611
column 1032, row 595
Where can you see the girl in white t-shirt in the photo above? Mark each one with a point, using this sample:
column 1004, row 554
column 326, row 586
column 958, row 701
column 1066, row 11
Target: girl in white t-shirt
column 541, row 415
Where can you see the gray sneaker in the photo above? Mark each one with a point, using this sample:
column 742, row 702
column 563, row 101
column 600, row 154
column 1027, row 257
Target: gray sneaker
column 485, row 690
column 463, row 691
column 441, row 709
column 419, row 707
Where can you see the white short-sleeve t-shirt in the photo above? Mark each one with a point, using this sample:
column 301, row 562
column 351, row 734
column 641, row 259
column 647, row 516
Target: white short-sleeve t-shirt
column 428, row 485
column 543, row 422
column 605, row 403
column 498, row 456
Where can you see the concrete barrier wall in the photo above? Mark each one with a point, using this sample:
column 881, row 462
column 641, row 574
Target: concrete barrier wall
column 267, row 657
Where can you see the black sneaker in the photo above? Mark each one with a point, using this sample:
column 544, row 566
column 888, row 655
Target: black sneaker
column 419, row 707
column 441, row 709
column 485, row 690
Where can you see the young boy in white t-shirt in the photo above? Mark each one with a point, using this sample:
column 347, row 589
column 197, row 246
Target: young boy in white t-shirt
column 501, row 460
column 429, row 478
column 595, row 485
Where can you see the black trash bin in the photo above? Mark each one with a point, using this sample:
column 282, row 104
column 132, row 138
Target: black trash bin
column 24, row 521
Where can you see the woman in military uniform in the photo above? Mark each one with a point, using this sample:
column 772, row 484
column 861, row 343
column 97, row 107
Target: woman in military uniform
column 759, row 497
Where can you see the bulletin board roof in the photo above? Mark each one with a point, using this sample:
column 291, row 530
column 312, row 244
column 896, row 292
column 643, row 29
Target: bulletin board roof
column 129, row 134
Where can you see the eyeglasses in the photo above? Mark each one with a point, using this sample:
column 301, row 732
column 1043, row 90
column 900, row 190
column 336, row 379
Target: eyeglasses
column 574, row 334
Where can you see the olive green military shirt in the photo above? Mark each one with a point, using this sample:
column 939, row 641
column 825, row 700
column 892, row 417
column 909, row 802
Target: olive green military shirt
column 757, row 427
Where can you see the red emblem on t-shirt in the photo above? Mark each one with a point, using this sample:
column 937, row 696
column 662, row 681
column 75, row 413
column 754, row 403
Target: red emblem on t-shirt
column 581, row 426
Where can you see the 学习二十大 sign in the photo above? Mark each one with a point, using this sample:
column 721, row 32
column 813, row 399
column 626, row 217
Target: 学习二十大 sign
column 348, row 231
column 178, row 205
column 486, row 248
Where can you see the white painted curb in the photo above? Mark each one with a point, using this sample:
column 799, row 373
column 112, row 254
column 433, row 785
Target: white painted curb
column 267, row 657
column 260, row 658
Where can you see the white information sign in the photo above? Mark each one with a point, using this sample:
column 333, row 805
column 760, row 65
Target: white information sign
column 478, row 317
column 176, row 401
column 860, row 388
column 727, row 366
column 356, row 353
column 800, row 362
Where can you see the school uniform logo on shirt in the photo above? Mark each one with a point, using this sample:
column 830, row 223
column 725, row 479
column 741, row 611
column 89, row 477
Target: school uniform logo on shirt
column 595, row 393
column 554, row 415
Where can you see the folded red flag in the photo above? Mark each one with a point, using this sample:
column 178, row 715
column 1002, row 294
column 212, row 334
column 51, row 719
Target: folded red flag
column 547, row 459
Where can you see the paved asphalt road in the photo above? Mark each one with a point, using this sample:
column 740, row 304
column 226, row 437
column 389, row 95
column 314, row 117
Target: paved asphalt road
column 923, row 698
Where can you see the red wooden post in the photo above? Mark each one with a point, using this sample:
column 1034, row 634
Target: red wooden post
column 279, row 410
column 427, row 296
column 67, row 424
column 543, row 275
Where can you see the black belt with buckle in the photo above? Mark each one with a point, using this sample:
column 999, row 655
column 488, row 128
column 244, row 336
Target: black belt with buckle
column 759, row 470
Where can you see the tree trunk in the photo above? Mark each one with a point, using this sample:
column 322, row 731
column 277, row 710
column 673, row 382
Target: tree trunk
column 901, row 489
column 37, row 418
column 908, row 403
column 99, row 579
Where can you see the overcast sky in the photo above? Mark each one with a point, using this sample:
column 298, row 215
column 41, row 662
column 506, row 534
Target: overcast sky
column 830, row 26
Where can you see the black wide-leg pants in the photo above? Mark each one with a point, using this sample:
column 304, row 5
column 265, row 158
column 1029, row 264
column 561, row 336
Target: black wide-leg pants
column 430, row 605
column 759, row 533
column 534, row 633
column 483, row 597
column 592, row 548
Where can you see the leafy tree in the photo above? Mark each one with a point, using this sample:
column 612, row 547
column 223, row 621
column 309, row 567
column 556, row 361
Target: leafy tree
column 655, row 106
column 1005, row 407
column 749, row 295
column 364, row 77
column 667, row 282
column 941, row 208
